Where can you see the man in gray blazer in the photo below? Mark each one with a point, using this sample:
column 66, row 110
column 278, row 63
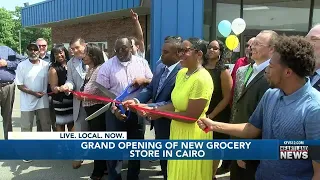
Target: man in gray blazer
column 250, row 87
column 75, row 78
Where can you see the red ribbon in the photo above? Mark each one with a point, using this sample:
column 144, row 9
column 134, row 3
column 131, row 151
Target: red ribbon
column 152, row 111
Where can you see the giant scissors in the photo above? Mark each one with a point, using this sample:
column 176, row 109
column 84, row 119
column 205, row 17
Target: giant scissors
column 128, row 91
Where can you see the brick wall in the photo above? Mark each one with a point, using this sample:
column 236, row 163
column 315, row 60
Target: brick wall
column 99, row 31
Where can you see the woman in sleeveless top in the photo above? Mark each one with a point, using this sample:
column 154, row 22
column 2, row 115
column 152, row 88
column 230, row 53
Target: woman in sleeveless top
column 94, row 59
column 62, row 103
column 219, row 108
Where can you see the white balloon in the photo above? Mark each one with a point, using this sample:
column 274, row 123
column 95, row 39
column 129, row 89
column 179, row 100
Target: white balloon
column 238, row 26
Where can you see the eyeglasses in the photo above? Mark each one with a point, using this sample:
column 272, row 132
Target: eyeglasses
column 42, row 45
column 247, row 45
column 187, row 50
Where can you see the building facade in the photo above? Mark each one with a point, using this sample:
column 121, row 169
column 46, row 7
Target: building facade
column 102, row 21
column 290, row 17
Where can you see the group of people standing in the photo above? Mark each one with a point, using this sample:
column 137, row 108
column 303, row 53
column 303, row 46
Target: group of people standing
column 268, row 95
column 275, row 96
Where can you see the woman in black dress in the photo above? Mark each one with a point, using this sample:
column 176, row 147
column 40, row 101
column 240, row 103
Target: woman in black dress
column 62, row 103
column 219, row 109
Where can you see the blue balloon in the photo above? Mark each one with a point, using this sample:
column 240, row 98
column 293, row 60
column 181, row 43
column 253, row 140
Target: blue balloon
column 224, row 28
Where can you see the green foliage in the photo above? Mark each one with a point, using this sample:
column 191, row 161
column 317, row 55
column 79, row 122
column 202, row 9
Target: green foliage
column 7, row 27
column 10, row 24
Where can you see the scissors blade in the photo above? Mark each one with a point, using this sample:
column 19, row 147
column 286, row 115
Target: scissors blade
column 105, row 91
column 99, row 112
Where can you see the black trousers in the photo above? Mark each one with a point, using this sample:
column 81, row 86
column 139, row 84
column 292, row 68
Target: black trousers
column 238, row 173
column 135, row 128
column 97, row 124
column 162, row 131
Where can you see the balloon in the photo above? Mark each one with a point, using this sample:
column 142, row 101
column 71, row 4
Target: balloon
column 232, row 42
column 224, row 28
column 238, row 26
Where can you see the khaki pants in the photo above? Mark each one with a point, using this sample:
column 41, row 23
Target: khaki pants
column 6, row 103
column 27, row 118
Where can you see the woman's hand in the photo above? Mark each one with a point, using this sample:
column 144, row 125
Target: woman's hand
column 80, row 98
column 64, row 88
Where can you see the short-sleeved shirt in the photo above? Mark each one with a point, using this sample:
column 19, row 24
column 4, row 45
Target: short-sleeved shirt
column 198, row 86
column 116, row 75
column 35, row 78
column 292, row 117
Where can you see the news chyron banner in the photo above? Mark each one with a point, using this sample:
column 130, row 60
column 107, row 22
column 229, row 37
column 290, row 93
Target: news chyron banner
column 116, row 146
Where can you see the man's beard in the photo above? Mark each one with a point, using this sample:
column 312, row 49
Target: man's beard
column 33, row 57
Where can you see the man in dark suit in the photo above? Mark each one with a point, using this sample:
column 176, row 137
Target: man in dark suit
column 314, row 38
column 160, row 88
column 250, row 88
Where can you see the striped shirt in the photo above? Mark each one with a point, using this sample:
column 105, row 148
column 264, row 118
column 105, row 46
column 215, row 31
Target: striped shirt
column 116, row 76
column 292, row 117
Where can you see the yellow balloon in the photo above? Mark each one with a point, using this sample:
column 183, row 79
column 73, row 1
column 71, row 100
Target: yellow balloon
column 232, row 42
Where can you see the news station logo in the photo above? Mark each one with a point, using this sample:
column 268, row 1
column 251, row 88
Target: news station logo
column 294, row 153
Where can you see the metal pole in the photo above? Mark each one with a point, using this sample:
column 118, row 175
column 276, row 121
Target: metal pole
column 20, row 42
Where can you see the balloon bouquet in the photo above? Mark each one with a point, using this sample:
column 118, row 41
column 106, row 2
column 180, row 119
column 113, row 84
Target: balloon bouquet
column 237, row 26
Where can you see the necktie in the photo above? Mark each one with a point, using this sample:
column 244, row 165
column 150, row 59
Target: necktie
column 162, row 79
column 248, row 74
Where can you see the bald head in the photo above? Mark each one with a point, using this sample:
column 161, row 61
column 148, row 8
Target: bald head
column 314, row 38
column 251, row 40
column 315, row 31
column 123, row 42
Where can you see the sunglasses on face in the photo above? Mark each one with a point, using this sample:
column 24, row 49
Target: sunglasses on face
column 42, row 45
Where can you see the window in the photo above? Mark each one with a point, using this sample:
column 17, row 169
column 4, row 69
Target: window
column 228, row 10
column 103, row 45
column 316, row 13
column 282, row 16
column 207, row 19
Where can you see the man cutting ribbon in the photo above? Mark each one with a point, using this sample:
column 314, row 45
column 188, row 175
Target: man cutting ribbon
column 115, row 75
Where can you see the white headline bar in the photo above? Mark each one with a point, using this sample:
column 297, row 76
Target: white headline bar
column 119, row 135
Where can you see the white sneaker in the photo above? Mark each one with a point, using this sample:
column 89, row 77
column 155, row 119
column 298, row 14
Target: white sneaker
column 27, row 161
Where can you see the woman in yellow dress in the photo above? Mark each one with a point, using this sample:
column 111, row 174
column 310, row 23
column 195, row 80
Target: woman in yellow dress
column 190, row 97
